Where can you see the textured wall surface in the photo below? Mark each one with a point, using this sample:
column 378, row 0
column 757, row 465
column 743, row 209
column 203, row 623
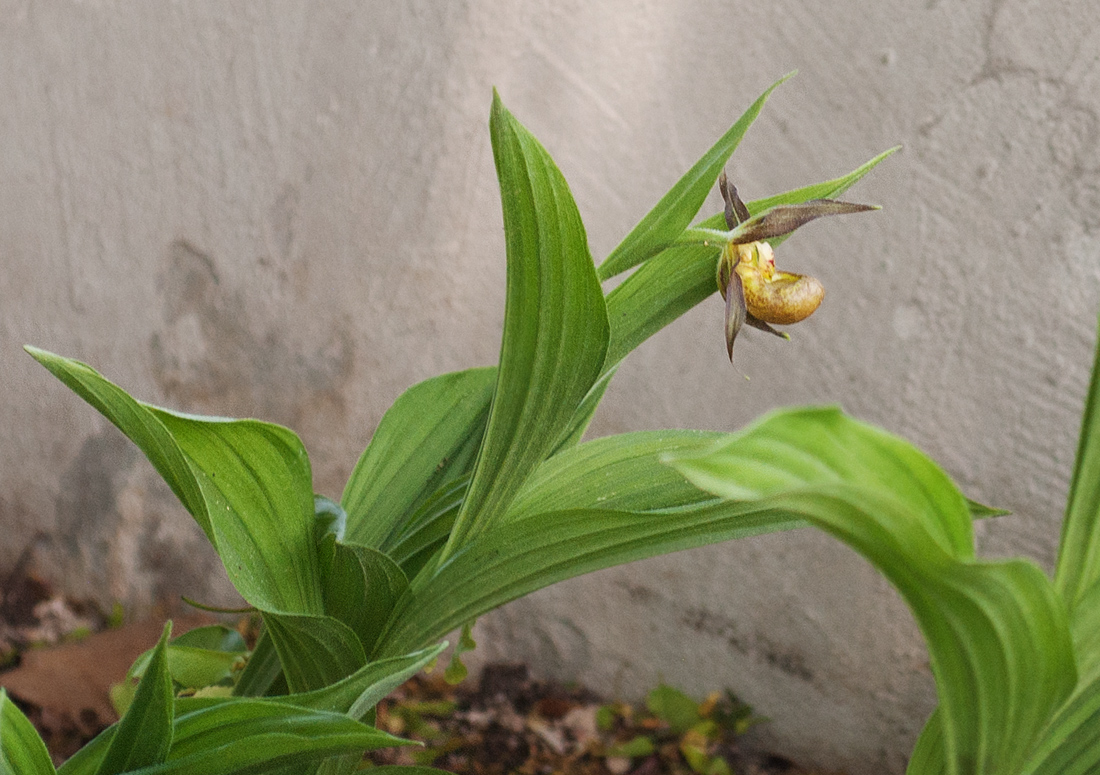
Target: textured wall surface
column 288, row 210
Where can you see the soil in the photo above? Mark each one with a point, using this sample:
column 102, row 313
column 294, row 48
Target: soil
column 59, row 659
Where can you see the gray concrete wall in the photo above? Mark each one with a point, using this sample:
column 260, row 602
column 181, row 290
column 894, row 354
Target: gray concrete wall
column 252, row 208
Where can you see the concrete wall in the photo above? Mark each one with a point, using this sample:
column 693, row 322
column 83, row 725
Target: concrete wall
column 289, row 210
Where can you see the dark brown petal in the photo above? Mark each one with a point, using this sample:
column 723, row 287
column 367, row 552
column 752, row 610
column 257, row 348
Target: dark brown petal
column 736, row 212
column 783, row 219
column 760, row 324
column 736, row 311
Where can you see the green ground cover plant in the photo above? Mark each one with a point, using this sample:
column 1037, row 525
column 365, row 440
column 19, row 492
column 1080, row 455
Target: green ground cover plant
column 476, row 489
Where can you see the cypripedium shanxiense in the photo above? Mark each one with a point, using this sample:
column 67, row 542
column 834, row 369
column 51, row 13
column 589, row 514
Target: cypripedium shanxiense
column 756, row 293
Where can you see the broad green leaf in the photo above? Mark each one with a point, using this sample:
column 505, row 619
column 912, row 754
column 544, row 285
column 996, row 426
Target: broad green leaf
column 997, row 632
column 315, row 651
column 555, row 326
column 215, row 637
column 141, row 426
column 578, row 533
column 251, row 736
column 256, row 479
column 578, row 424
column 674, row 707
column 1078, row 566
column 192, row 667
column 247, row 484
column 1070, row 745
column 354, row 696
column 663, row 224
column 87, row 759
column 928, row 757
column 429, row 436
column 428, row 528
column 263, row 674
column 681, row 276
column 519, row 557
column 144, row 734
column 361, row 586
column 1085, row 624
column 22, row 751
column 200, row 657
column 623, row 472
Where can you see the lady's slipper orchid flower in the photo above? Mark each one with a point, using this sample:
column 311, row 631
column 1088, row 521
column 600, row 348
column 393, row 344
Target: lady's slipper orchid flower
column 756, row 293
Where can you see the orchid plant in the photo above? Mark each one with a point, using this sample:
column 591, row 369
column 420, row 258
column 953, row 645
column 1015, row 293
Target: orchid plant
column 476, row 489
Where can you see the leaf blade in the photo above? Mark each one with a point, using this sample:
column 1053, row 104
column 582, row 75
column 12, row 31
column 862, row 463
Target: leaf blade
column 22, row 750
column 555, row 325
column 670, row 216
column 429, row 436
column 144, row 735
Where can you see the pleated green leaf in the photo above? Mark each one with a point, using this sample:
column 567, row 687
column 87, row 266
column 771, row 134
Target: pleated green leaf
column 997, row 632
column 517, row 558
column 1078, row 567
column 314, row 651
column 615, row 473
column 253, row 736
column 134, row 420
column 607, row 502
column 256, row 480
column 247, row 483
column 22, row 751
column 681, row 276
column 664, row 223
column 929, row 756
column 361, row 586
column 429, row 527
column 555, row 325
column 143, row 736
column 428, row 437
column 263, row 674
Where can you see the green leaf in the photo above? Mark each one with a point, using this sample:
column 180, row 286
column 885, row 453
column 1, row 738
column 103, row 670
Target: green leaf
column 614, row 473
column 315, row 651
column 1078, row 566
column 137, row 423
column 251, row 736
column 247, row 483
column 663, row 224
column 214, row 637
column 928, row 756
column 256, row 480
column 1070, row 745
column 192, row 667
column 429, row 527
column 263, row 672
column 144, row 734
column 361, row 586
column 680, row 277
column 355, row 695
column 636, row 746
column 674, row 707
column 456, row 671
column 997, row 632
column 22, row 751
column 555, row 326
column 429, row 436
column 200, row 657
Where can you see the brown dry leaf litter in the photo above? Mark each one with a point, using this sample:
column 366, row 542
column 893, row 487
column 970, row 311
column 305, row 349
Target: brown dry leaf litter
column 509, row 723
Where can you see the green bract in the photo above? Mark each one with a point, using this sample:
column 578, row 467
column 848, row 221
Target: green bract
column 475, row 490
